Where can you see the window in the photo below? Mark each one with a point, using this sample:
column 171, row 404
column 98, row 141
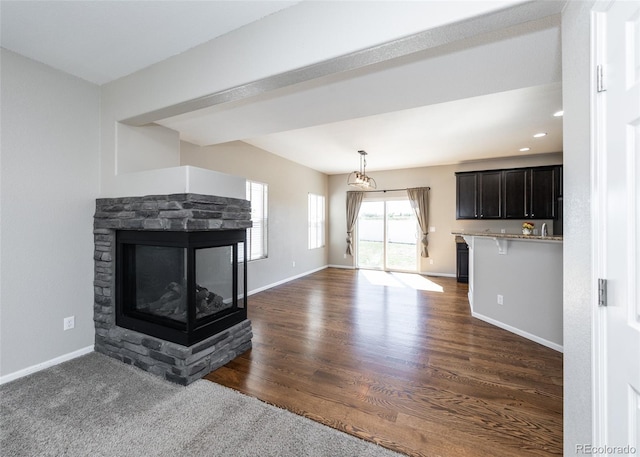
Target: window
column 257, row 193
column 316, row 221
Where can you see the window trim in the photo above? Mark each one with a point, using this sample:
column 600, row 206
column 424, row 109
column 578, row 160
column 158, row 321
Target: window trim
column 262, row 221
column 316, row 223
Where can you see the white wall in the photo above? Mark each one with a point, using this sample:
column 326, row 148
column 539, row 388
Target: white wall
column 442, row 211
column 576, row 75
column 50, row 144
column 289, row 185
column 175, row 180
column 147, row 147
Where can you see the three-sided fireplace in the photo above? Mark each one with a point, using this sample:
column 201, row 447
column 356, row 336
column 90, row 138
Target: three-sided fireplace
column 180, row 286
column 170, row 282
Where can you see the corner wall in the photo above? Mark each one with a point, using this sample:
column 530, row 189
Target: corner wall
column 289, row 185
column 528, row 276
column 49, row 182
column 578, row 299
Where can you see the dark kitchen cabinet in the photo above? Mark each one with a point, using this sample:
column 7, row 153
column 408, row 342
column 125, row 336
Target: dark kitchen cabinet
column 490, row 195
column 462, row 261
column 517, row 193
column 543, row 193
column 479, row 195
column 558, row 220
column 466, row 196
column 531, row 192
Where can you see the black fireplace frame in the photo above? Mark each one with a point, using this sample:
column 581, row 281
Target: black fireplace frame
column 193, row 330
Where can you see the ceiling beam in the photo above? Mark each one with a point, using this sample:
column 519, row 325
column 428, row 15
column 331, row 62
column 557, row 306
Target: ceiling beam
column 422, row 41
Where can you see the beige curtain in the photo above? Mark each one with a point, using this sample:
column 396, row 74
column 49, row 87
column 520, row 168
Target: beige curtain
column 354, row 200
column 419, row 198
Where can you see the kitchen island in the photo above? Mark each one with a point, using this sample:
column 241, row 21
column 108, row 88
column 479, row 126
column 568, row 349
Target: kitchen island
column 515, row 282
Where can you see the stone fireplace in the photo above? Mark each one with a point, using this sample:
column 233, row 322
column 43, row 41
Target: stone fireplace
column 170, row 282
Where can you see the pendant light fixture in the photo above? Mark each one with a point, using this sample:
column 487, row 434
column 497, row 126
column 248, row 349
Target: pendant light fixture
column 360, row 178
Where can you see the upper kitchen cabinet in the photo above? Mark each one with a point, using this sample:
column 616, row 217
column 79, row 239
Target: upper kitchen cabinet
column 479, row 195
column 490, row 195
column 531, row 192
column 517, row 193
column 543, row 194
column 466, row 195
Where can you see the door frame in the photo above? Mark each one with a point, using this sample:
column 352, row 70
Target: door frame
column 598, row 229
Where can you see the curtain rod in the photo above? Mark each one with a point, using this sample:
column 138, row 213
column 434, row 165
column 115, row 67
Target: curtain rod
column 389, row 190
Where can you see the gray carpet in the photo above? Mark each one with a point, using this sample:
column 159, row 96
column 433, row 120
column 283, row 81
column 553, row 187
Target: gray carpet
column 97, row 406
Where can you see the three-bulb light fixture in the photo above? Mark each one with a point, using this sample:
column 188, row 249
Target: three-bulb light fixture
column 359, row 178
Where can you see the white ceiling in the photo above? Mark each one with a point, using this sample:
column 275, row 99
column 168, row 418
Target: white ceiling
column 462, row 130
column 100, row 41
column 316, row 125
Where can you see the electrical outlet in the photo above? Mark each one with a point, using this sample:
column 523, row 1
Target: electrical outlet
column 430, row 261
column 500, row 299
column 293, row 264
column 69, row 323
column 432, row 229
column 503, row 231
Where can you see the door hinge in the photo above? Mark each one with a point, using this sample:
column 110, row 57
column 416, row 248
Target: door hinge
column 600, row 87
column 602, row 292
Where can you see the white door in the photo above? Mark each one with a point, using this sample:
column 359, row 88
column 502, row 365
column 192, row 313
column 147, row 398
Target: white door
column 618, row 232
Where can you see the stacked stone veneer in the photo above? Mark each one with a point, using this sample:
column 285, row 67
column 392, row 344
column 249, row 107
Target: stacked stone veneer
column 178, row 212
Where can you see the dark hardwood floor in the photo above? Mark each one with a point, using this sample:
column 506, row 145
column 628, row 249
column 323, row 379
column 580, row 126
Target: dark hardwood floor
column 374, row 355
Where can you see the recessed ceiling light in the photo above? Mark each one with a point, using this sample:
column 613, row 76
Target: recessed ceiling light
column 540, row 135
column 525, row 149
column 558, row 113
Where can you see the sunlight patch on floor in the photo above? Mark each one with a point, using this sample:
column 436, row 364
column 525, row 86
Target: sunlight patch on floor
column 418, row 282
column 404, row 280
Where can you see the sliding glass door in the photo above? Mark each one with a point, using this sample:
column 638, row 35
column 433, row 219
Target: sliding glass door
column 401, row 246
column 387, row 236
column 370, row 232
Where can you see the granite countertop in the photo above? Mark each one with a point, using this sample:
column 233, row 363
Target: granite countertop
column 512, row 236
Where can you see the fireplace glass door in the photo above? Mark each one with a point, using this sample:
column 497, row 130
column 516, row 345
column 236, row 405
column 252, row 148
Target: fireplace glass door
column 158, row 285
column 214, row 281
column 180, row 286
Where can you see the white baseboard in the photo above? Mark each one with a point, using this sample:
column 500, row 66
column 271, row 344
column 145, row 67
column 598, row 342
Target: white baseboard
column 423, row 273
column 291, row 278
column 432, row 273
column 41, row 366
column 517, row 331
